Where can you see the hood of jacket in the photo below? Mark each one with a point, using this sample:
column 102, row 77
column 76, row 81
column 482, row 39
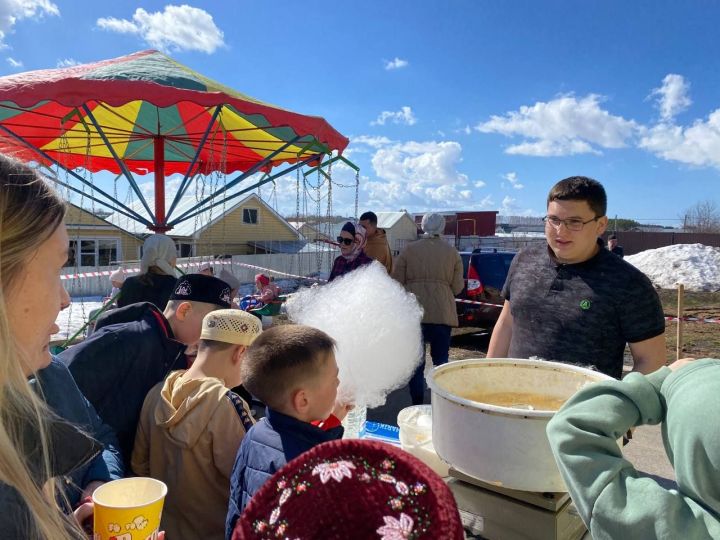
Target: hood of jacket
column 186, row 406
column 690, row 434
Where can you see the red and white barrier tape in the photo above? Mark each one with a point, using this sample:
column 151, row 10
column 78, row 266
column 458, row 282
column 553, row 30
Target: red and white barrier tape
column 693, row 319
column 475, row 302
column 65, row 277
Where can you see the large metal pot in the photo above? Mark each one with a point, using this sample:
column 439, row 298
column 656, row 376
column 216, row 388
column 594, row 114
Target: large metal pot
column 505, row 445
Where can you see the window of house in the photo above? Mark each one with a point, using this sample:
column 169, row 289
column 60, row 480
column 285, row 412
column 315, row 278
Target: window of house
column 107, row 252
column 184, row 250
column 92, row 252
column 250, row 216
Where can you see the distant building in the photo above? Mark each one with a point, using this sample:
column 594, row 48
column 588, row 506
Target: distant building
column 461, row 224
column 246, row 227
column 519, row 224
column 95, row 241
column 399, row 227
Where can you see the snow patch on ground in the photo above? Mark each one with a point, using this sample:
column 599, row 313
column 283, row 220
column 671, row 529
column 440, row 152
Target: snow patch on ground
column 694, row 265
column 71, row 319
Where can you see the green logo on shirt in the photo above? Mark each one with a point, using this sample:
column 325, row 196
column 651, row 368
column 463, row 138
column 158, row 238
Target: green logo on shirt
column 585, row 304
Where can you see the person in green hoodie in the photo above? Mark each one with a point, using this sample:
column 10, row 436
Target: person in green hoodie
column 613, row 499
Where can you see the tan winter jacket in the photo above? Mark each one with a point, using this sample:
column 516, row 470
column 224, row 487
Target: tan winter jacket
column 377, row 248
column 432, row 270
column 188, row 435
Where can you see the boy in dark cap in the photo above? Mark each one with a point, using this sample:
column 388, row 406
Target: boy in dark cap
column 135, row 347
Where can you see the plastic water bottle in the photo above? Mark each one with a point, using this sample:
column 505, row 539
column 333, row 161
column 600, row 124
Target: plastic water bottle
column 354, row 423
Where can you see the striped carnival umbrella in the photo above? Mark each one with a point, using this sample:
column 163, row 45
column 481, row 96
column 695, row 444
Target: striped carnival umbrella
column 145, row 112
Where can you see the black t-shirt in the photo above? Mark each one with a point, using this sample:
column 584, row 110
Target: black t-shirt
column 581, row 313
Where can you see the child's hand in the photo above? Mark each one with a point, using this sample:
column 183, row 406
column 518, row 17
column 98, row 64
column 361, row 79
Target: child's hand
column 680, row 363
column 341, row 409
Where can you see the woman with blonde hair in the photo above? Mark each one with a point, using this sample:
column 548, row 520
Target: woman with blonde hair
column 36, row 446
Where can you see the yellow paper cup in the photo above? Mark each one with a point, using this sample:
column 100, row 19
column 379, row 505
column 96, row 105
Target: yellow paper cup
column 128, row 509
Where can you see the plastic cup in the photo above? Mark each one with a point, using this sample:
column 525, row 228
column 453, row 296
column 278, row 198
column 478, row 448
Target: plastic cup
column 128, row 509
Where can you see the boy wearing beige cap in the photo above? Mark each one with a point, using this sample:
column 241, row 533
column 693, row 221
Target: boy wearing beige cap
column 191, row 427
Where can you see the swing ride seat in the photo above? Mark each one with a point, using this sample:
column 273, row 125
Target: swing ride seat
column 271, row 309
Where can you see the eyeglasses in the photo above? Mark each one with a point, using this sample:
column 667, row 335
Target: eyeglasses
column 346, row 241
column 572, row 224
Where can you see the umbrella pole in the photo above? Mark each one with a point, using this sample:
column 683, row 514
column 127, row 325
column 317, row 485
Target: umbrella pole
column 159, row 153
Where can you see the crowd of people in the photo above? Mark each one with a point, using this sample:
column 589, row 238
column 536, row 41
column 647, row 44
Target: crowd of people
column 130, row 400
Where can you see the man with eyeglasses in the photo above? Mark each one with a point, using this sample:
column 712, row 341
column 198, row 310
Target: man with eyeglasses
column 570, row 300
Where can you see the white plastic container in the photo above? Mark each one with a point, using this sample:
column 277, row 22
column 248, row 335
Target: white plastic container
column 505, row 445
column 415, row 425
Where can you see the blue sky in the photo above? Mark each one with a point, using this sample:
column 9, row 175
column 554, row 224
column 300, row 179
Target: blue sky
column 449, row 105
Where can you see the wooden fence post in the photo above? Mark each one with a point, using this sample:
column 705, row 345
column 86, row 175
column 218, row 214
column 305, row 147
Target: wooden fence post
column 680, row 322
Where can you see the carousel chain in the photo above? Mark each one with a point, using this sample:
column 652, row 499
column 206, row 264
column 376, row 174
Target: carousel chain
column 357, row 192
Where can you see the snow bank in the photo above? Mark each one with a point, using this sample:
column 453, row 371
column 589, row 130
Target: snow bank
column 694, row 265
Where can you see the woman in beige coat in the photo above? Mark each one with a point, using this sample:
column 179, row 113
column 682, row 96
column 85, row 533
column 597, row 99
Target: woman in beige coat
column 432, row 270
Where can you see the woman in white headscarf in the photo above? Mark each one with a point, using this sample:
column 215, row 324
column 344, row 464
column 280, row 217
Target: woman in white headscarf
column 432, row 270
column 157, row 274
column 352, row 242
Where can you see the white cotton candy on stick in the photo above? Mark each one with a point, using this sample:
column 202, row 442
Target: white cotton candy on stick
column 376, row 324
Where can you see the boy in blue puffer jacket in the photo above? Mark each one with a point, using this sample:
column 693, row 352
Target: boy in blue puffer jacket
column 292, row 369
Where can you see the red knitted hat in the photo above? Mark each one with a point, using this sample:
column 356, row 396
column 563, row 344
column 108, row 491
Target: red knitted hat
column 263, row 279
column 349, row 489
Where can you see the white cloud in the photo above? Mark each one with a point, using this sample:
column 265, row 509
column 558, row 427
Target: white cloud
column 67, row 62
column 509, row 205
column 14, row 63
column 181, row 28
column 422, row 175
column 486, row 202
column 403, row 116
column 564, row 126
column 370, row 140
column 698, row 144
column 479, row 184
column 397, row 63
column 12, row 11
column 513, row 179
column 672, row 97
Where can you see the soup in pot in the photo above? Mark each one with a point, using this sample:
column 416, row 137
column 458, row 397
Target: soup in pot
column 517, row 400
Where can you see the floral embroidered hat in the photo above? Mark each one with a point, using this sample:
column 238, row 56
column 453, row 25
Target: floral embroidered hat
column 352, row 489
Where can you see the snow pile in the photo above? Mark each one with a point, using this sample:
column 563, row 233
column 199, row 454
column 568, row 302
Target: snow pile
column 376, row 325
column 694, row 265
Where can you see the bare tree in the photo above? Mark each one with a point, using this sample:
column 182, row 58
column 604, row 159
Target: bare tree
column 702, row 217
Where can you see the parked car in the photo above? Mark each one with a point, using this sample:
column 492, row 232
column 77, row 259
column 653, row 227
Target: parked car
column 484, row 272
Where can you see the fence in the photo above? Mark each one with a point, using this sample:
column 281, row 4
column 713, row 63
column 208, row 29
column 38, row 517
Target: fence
column 95, row 281
column 635, row 242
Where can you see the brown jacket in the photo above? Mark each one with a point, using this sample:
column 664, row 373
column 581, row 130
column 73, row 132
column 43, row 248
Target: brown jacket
column 377, row 248
column 432, row 270
column 188, row 435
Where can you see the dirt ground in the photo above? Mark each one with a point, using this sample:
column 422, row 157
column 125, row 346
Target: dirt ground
column 700, row 340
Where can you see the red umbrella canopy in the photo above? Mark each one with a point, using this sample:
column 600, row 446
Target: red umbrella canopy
column 145, row 106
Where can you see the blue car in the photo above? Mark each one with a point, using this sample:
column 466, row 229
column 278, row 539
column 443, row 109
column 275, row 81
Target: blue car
column 484, row 272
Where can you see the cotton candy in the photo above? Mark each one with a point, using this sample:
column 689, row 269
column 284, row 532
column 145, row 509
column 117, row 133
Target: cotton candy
column 376, row 324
